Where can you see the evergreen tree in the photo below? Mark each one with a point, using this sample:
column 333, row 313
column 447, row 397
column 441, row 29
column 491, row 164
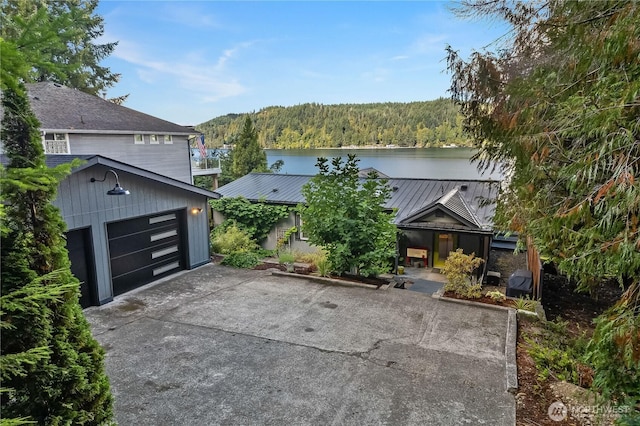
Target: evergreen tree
column 70, row 55
column 248, row 156
column 52, row 368
column 558, row 107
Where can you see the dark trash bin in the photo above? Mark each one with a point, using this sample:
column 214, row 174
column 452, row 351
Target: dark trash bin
column 520, row 284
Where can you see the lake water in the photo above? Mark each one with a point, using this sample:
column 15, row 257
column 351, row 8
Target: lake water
column 424, row 163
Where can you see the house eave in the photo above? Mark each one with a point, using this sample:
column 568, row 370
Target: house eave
column 107, row 162
column 432, row 227
column 115, row 132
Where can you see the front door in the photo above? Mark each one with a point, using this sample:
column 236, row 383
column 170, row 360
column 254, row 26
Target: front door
column 81, row 257
column 443, row 245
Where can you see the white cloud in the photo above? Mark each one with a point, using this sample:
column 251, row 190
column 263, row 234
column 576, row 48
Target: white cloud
column 188, row 14
column 428, row 43
column 208, row 82
column 377, row 75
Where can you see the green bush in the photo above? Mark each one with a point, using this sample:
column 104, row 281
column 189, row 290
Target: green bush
column 498, row 296
column 228, row 238
column 286, row 258
column 614, row 352
column 241, row 259
column 557, row 354
column 459, row 268
column 324, row 267
column 257, row 219
column 525, row 304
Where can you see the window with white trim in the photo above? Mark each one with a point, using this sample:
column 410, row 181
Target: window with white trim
column 168, row 139
column 56, row 143
column 300, row 234
column 153, row 139
column 138, row 139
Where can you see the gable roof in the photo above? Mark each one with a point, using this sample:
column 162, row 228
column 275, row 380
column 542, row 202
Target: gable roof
column 54, row 160
column 452, row 203
column 411, row 197
column 363, row 173
column 65, row 110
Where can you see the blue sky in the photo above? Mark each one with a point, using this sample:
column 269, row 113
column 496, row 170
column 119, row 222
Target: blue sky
column 190, row 61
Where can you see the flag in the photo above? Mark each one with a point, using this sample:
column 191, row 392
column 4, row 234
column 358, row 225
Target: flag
column 203, row 149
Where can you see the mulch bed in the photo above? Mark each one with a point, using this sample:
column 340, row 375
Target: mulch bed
column 484, row 299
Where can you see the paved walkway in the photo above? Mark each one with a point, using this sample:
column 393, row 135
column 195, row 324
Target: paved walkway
column 219, row 345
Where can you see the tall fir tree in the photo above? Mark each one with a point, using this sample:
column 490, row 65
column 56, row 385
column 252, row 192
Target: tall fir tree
column 70, row 55
column 52, row 368
column 248, row 156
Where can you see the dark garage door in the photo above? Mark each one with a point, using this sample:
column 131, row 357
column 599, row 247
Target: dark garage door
column 145, row 249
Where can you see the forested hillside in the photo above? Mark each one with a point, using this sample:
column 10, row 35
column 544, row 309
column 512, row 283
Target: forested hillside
column 416, row 124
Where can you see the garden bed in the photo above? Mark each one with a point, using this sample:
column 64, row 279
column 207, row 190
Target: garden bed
column 372, row 284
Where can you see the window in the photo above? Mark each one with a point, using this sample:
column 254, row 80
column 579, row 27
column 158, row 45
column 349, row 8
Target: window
column 153, row 139
column 168, row 139
column 300, row 234
column 56, row 143
column 138, row 139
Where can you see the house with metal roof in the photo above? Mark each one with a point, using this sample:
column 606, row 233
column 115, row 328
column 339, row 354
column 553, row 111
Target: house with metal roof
column 435, row 216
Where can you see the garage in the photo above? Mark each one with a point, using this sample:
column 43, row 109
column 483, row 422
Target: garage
column 145, row 249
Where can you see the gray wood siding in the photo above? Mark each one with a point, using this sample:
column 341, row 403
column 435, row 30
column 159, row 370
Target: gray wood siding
column 86, row 204
column 171, row 160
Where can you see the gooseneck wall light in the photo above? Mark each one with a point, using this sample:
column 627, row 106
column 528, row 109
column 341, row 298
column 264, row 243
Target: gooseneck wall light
column 117, row 190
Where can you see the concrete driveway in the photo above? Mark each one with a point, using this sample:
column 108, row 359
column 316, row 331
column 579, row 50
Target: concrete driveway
column 219, row 345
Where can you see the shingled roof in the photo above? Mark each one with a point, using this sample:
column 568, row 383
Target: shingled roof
column 62, row 109
column 411, row 197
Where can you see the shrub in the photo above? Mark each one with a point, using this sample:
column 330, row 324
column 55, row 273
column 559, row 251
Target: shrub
column 241, row 259
column 557, row 354
column 459, row 268
column 498, row 296
column 311, row 258
column 347, row 216
column 228, row 238
column 614, row 352
column 525, row 304
column 257, row 219
column 287, row 258
column 324, row 267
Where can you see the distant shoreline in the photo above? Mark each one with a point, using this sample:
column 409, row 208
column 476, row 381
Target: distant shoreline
column 354, row 147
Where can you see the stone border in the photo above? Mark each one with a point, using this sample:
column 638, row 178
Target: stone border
column 325, row 280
